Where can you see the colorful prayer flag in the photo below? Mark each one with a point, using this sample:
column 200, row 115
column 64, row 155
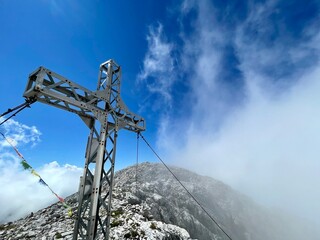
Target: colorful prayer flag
column 19, row 154
column 42, row 182
column 25, row 165
column 34, row 173
column 60, row 199
column 70, row 212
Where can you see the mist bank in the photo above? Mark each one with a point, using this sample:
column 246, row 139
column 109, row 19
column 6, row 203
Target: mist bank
column 241, row 103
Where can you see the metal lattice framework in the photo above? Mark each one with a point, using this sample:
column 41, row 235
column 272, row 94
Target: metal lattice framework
column 104, row 112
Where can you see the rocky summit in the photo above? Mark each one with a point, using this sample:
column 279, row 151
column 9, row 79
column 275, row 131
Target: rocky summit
column 148, row 203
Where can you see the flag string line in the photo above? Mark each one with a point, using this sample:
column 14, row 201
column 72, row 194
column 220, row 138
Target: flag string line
column 26, row 166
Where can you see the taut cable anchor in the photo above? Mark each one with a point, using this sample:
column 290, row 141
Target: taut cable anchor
column 19, row 108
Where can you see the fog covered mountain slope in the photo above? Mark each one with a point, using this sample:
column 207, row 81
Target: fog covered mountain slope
column 148, row 203
column 237, row 214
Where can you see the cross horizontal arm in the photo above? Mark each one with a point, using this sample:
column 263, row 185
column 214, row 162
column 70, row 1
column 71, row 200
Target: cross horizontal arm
column 51, row 88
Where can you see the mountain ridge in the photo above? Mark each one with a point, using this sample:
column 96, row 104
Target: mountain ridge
column 148, row 203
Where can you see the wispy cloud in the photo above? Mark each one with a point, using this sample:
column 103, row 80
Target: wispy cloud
column 252, row 118
column 55, row 7
column 64, row 10
column 158, row 65
column 18, row 133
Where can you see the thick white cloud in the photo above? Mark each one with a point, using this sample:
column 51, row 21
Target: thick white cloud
column 267, row 145
column 268, row 149
column 22, row 192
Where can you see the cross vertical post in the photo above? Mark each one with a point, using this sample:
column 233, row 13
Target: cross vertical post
column 104, row 113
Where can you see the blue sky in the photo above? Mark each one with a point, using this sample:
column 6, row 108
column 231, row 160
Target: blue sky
column 71, row 39
column 228, row 89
